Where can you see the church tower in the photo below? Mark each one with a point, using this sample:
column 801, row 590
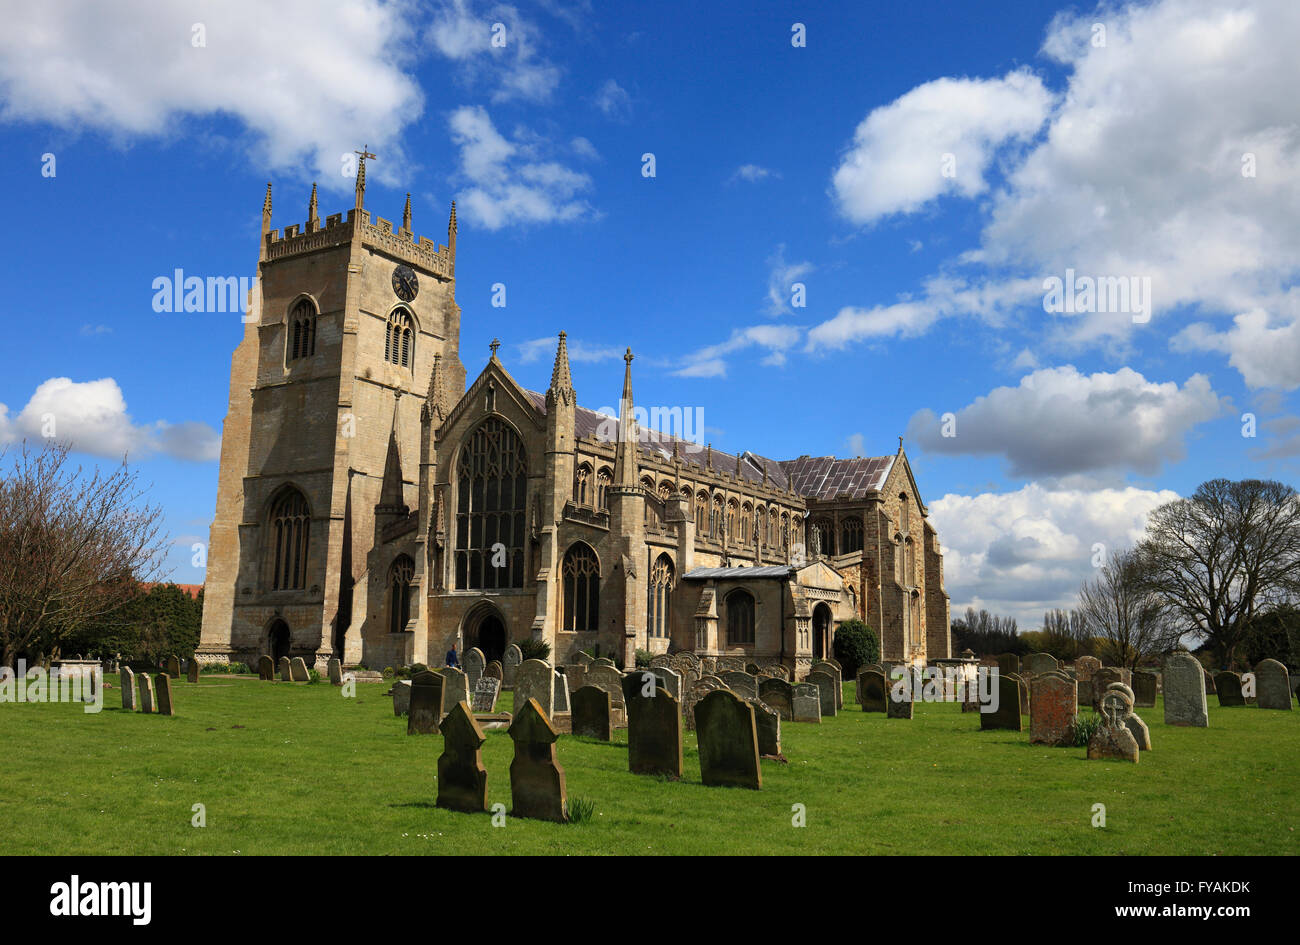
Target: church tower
column 321, row 447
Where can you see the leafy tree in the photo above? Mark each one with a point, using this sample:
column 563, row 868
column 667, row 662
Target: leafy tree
column 1274, row 634
column 534, row 649
column 855, row 646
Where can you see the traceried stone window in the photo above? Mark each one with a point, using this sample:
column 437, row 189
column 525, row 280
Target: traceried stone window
column 580, row 574
column 581, row 484
column 702, row 514
column 660, row 597
column 491, row 480
column 760, row 531
column 399, row 593
column 740, row 618
column 850, row 535
column 290, row 527
column 823, row 537
column 715, row 520
column 746, row 517
column 731, row 520
column 603, row 480
column 301, row 340
column 399, row 338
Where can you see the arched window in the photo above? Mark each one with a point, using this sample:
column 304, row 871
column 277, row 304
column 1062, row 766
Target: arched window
column 850, row 535
column 702, row 514
column 904, row 513
column 760, row 531
column 301, row 341
column 491, row 480
column 824, row 539
column 715, row 520
column 746, row 517
column 603, row 480
column 909, row 578
column 581, row 481
column 740, row 618
column 773, row 528
column 399, row 339
column 399, row 593
column 731, row 520
column 581, row 576
column 290, row 530
column 659, row 596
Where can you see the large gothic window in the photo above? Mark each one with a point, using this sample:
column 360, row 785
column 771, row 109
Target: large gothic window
column 581, row 578
column 290, row 527
column 740, row 618
column 660, row 597
column 302, row 331
column 491, row 480
column 399, row 338
column 399, row 593
column 850, row 535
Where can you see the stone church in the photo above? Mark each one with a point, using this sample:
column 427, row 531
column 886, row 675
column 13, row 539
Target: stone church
column 377, row 505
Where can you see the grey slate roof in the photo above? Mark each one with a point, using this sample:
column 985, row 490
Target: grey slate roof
column 766, row 571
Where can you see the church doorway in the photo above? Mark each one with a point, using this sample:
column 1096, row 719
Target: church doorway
column 821, row 631
column 278, row 640
column 486, row 630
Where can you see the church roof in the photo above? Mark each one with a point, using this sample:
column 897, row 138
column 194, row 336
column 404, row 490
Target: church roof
column 765, row 571
column 827, row 478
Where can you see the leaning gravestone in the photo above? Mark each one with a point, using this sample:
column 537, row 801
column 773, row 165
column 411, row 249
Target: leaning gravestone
column 1185, row 691
column 462, row 779
column 401, row 697
column 872, row 692
column 455, row 688
column 728, row 741
column 298, row 667
column 510, row 664
column 266, row 668
column 1007, row 714
column 173, row 667
column 1272, row 685
column 473, row 664
column 535, row 680
column 128, row 689
column 192, row 671
column 778, row 695
column 1113, row 739
column 654, row 729
column 670, row 679
column 768, row 726
column 832, row 669
column 1053, row 708
column 560, row 697
column 1228, row 686
column 826, row 684
column 591, row 713
column 485, row 695
column 493, row 669
column 536, row 778
column 165, row 706
column 146, row 694
column 426, row 704
column 742, row 684
column 898, row 701
column 1023, row 688
column 286, row 671
column 1144, row 689
column 335, row 670
column 807, row 702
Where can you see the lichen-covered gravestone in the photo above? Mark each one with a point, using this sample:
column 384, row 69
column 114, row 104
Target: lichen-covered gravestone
column 535, row 680
column 146, row 694
column 560, row 693
column 335, row 670
column 298, row 667
column 1101, row 681
column 1084, row 668
column 493, row 669
column 1227, row 685
column 1053, row 707
column 1144, row 689
column 192, row 671
column 425, row 710
column 1036, row 663
column 1185, row 691
column 872, row 691
column 807, row 702
column 1113, row 739
column 779, row 695
column 510, row 664
column 285, row 670
column 654, row 728
column 473, row 663
column 485, row 695
column 266, row 668
column 1008, row 663
column 728, row 741
column 462, row 779
column 742, row 684
column 455, row 688
column 605, row 676
column 768, row 725
column 1007, row 714
column 128, row 689
column 165, row 706
column 826, row 684
column 536, row 778
column 591, row 709
column 670, row 679
column 1272, row 685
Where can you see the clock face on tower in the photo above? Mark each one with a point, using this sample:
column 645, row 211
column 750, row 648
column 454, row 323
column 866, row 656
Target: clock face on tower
column 405, row 284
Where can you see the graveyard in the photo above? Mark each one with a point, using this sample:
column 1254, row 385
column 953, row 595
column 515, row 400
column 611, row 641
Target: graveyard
column 298, row 768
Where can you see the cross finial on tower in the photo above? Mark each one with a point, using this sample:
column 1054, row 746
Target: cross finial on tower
column 900, row 444
column 494, row 345
column 361, row 174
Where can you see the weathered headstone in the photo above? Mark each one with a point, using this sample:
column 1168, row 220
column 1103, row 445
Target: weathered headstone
column 1184, row 683
column 1008, row 663
column 1101, row 680
column 1138, row 729
column 147, row 704
column 165, row 705
column 1272, row 685
column 872, row 692
column 898, row 698
column 192, row 671
column 831, row 668
column 560, row 699
column 742, row 684
column 1113, row 739
column 1144, row 689
column 128, row 689
column 173, row 667
column 335, row 670
column 455, row 688
column 1084, row 668
column 493, row 669
column 473, row 664
column 728, row 741
column 298, row 668
column 1053, row 708
column 670, row 679
column 778, row 695
column 1209, row 682
column 535, row 679
column 265, row 668
column 462, row 779
column 768, row 726
column 425, row 710
column 1036, row 663
column 828, row 686
column 536, row 778
column 607, row 677
column 1007, row 714
column 485, row 695
column 654, row 729
column 1227, row 685
column 591, row 708
column 401, row 697
column 1023, row 688
column 510, row 664
column 807, row 702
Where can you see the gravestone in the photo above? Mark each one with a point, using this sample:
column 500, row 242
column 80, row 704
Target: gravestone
column 778, row 695
column 592, row 708
column 583, row 658
column 726, row 664
column 173, row 669
column 1272, row 685
column 462, row 779
column 298, row 668
column 742, row 684
column 898, row 700
column 1209, row 682
column 192, row 671
column 872, row 693
column 768, row 725
column 1138, row 729
column 1023, row 688
column 128, row 689
column 165, row 706
column 1007, row 714
column 1101, row 681
column 1227, row 685
column 560, row 697
column 662, row 659
column 1053, row 708
column 335, row 670
column 654, row 729
column 807, row 702
column 751, row 668
column 728, row 741
column 1008, row 663
column 425, row 709
column 1036, row 663
column 1144, row 689
column 670, row 679
column 493, row 669
column 265, row 668
column 510, row 664
column 1084, row 668
column 827, row 685
column 606, row 677
column 536, row 778
column 401, row 697
column 1113, row 739
column 473, row 664
column 285, row 670
column 831, row 668
column 575, row 676
column 455, row 688
column 1184, row 681
column 485, row 695
column 534, row 679
column 146, row 694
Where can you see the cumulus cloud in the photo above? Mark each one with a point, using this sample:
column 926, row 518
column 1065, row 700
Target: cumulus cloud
column 1024, row 552
column 1263, row 347
column 1058, row 422
column 710, row 361
column 464, row 33
column 307, row 81
column 938, row 138
column 92, row 417
column 510, row 182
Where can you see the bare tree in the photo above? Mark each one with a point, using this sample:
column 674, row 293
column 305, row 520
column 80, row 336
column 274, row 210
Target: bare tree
column 1121, row 606
column 1220, row 555
column 1066, row 634
column 72, row 547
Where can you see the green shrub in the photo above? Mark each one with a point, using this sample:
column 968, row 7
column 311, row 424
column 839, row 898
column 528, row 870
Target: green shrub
column 581, row 810
column 417, row 668
column 1084, row 727
column 534, row 649
column 226, row 669
column 313, row 676
column 856, row 645
column 389, row 672
column 643, row 658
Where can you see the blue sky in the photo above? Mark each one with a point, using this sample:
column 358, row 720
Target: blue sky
column 920, row 170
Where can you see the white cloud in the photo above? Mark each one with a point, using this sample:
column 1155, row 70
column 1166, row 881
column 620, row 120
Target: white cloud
column 1021, row 553
column 92, row 417
column 857, row 444
column 308, row 81
column 463, row 32
column 752, row 173
column 612, row 99
column 579, row 351
column 781, row 276
column 1265, row 349
column 584, row 149
column 896, row 161
column 509, row 182
column 710, row 361
column 1059, row 422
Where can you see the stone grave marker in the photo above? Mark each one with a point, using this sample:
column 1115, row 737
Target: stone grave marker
column 1272, row 685
column 147, row 703
column 284, row 669
column 165, row 704
column 335, row 670
column 493, row 669
column 1209, row 682
column 1084, row 668
column 742, row 684
column 510, row 664
column 536, row 778
column 128, row 689
column 1185, row 691
column 560, row 699
column 1101, row 681
column 899, row 699
column 1008, row 663
column 265, row 668
column 192, row 671
column 534, row 679
column 591, row 709
column 455, row 688
column 831, row 668
column 425, row 711
column 401, row 697
column 670, row 679
column 462, row 779
column 1036, row 663
column 1144, row 689
column 778, row 695
column 1007, row 715
column 298, row 667
column 807, row 702
column 1227, row 685
column 486, row 694
column 606, row 677
column 473, row 664
column 1023, row 688
column 1053, row 708
column 827, row 685
column 173, row 667
column 768, row 726
column 1113, row 739
column 872, row 693
column 728, row 741
column 654, row 729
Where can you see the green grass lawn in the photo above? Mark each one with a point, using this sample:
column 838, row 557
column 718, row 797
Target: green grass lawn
column 298, row 769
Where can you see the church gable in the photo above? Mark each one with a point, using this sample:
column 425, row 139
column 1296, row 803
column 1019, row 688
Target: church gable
column 493, row 391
